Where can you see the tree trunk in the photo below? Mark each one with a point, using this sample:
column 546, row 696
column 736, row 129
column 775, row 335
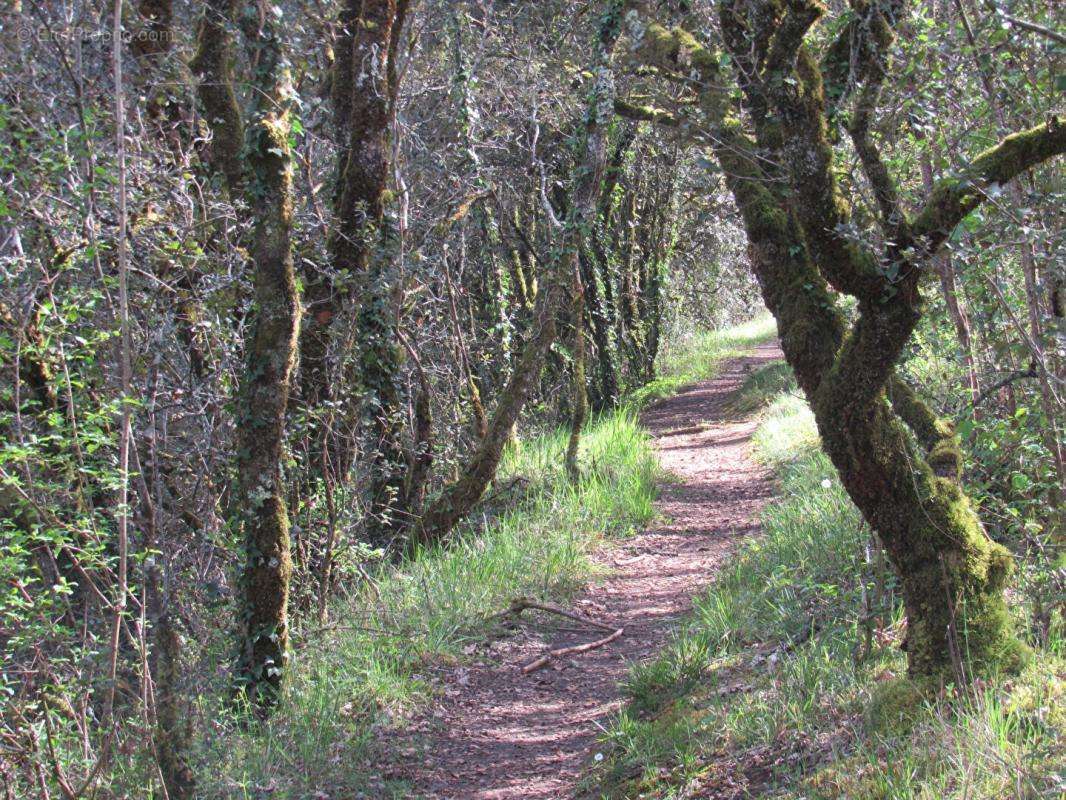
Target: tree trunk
column 579, row 404
column 265, row 170
column 952, row 574
column 459, row 497
column 365, row 246
column 271, row 356
column 598, row 320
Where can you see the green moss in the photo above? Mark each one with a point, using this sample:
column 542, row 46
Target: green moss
column 215, row 90
column 895, row 706
column 954, row 197
column 678, row 47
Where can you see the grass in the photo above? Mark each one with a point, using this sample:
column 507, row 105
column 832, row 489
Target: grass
column 768, row 689
column 377, row 662
column 699, row 356
column 763, row 385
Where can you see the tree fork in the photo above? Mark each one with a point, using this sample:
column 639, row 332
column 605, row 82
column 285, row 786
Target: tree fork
column 953, row 575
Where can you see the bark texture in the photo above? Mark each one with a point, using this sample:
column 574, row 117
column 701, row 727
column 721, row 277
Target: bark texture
column 365, row 249
column 794, row 209
column 271, row 356
column 262, row 166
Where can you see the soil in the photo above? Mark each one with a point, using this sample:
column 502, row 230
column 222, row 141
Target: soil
column 498, row 734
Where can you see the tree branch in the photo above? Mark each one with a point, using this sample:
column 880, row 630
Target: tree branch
column 953, row 198
column 624, row 108
column 847, row 61
column 1017, row 375
column 1047, row 33
column 936, row 435
column 789, row 37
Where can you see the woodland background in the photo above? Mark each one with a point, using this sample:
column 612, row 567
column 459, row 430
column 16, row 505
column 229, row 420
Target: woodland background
column 305, row 306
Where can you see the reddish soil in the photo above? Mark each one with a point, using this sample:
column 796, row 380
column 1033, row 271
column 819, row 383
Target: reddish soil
column 496, row 734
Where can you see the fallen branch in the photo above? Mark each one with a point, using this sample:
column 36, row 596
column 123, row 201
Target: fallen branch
column 545, row 659
column 520, row 604
column 684, row 431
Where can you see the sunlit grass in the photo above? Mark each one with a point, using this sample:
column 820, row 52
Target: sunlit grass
column 768, row 687
column 698, row 357
column 376, row 661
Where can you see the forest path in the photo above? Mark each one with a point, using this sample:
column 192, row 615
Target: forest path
column 496, row 734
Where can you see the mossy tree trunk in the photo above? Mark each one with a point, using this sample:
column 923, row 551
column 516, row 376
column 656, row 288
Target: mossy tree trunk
column 365, row 249
column 262, row 168
column 604, row 390
column 270, row 355
column 215, row 90
column 602, row 313
column 793, row 207
column 658, row 254
column 579, row 404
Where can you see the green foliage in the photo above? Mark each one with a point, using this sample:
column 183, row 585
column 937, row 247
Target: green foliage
column 375, row 664
column 53, row 464
column 895, row 706
column 698, row 357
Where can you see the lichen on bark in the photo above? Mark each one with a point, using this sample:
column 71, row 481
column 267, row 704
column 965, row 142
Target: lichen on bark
column 260, row 167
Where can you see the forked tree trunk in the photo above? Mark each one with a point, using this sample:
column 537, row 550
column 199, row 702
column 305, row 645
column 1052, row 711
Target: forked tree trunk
column 952, row 574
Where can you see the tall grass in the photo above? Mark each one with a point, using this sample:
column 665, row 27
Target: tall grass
column 769, row 689
column 376, row 661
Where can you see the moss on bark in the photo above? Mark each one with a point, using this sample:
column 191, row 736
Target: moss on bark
column 212, row 64
column 265, row 171
column 783, row 181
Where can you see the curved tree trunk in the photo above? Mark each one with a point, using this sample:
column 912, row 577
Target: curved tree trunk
column 457, row 499
column 951, row 573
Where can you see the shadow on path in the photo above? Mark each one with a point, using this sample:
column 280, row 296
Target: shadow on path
column 496, row 734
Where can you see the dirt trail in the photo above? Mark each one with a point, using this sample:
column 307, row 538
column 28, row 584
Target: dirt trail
column 497, row 734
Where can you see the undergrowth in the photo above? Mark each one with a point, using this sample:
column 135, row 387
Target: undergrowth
column 376, row 661
column 782, row 683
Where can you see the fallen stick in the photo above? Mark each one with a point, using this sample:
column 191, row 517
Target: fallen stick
column 545, row 659
column 684, row 431
column 520, row 604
